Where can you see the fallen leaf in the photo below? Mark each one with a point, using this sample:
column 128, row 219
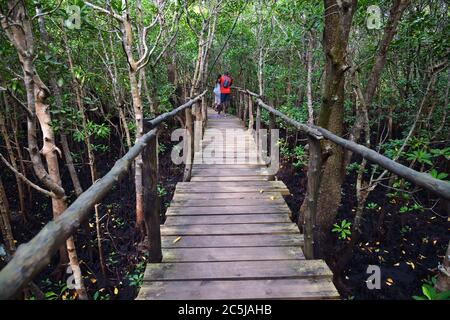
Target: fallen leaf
column 261, row 191
column 389, row 281
column 176, row 240
column 397, row 264
column 272, row 198
column 93, row 280
column 411, row 264
column 116, row 291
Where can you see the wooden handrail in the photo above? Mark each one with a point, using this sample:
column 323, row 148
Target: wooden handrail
column 31, row 257
column 315, row 134
column 439, row 187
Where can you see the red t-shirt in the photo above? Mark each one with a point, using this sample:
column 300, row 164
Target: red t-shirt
column 222, row 81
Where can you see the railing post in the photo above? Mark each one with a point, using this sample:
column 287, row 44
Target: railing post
column 245, row 100
column 250, row 113
column 188, row 146
column 272, row 121
column 258, row 127
column 151, row 199
column 312, row 194
column 239, row 106
column 204, row 114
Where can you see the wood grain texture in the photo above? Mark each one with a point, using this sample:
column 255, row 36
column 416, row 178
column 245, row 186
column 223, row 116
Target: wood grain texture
column 293, row 289
column 243, row 270
column 229, row 229
column 227, row 219
column 257, row 209
column 226, row 241
column 232, row 254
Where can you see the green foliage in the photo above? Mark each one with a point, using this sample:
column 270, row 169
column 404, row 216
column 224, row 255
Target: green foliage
column 438, row 175
column 161, row 190
column 430, row 293
column 136, row 277
column 342, row 229
column 161, row 148
column 300, row 159
column 354, row 166
column 420, row 156
column 371, row 206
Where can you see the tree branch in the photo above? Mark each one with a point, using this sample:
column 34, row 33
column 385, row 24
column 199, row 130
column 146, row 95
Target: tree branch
column 103, row 10
column 24, row 179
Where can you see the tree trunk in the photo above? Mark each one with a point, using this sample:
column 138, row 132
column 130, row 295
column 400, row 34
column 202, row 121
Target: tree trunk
column 338, row 19
column 309, row 53
column 5, row 225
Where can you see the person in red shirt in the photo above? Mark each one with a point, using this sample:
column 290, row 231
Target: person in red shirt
column 225, row 89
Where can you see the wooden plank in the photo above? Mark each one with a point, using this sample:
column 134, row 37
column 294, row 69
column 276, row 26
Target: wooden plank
column 226, row 161
column 228, row 166
column 227, row 219
column 223, row 189
column 229, row 229
column 194, row 210
column 213, row 196
column 248, row 178
column 232, row 254
column 221, row 241
column 243, row 270
column 298, row 289
column 229, row 172
column 277, row 184
column 225, row 202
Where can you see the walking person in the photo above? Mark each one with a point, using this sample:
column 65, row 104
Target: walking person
column 225, row 89
column 217, row 94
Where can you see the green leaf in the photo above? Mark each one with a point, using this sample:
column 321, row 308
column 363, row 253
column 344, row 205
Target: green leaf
column 428, row 291
column 443, row 295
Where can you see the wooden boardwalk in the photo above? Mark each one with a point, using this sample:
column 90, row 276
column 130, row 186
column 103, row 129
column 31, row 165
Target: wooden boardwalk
column 228, row 234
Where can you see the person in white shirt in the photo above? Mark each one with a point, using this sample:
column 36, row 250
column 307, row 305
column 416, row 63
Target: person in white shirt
column 217, row 102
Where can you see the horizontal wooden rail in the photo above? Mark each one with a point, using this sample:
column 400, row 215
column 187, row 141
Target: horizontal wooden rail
column 439, row 187
column 31, row 257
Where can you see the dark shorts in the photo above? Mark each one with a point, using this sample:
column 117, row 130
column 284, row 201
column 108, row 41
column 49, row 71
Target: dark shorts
column 224, row 97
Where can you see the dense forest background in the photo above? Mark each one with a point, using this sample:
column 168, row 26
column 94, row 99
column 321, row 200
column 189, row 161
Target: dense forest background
column 78, row 77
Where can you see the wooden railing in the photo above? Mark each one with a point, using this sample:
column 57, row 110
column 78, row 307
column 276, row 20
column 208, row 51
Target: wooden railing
column 31, row 257
column 245, row 101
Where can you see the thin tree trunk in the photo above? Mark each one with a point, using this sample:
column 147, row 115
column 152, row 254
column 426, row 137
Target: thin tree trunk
column 309, row 53
column 12, row 158
column 70, row 166
column 5, row 225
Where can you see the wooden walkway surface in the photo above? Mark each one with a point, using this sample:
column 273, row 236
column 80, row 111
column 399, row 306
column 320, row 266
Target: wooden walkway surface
column 228, row 234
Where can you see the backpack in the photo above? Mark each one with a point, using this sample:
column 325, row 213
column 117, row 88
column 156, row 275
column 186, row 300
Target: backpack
column 226, row 82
